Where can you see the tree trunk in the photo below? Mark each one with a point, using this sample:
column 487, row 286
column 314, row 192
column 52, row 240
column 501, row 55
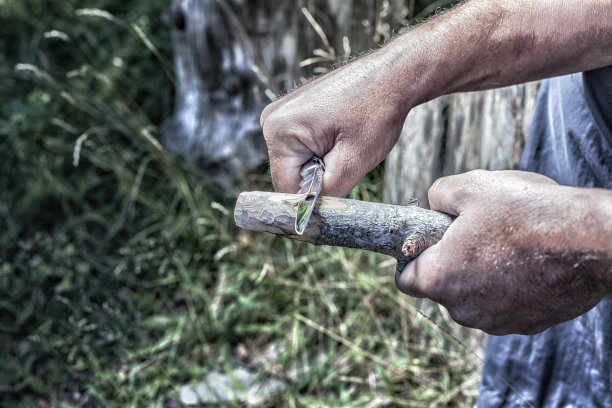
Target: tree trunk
column 232, row 57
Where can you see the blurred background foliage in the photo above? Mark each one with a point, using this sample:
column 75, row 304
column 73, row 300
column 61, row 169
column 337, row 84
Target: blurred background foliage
column 122, row 274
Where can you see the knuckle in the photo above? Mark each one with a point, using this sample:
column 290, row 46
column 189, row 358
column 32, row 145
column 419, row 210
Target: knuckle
column 468, row 184
column 437, row 185
column 267, row 112
column 278, row 128
column 473, row 179
column 451, row 191
column 477, row 173
column 275, row 121
column 271, row 127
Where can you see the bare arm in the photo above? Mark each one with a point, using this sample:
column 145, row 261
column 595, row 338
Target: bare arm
column 352, row 117
column 485, row 44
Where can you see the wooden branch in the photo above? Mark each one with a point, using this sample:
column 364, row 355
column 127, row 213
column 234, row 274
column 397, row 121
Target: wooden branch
column 400, row 231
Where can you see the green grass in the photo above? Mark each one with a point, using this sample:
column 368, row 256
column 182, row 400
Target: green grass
column 122, row 274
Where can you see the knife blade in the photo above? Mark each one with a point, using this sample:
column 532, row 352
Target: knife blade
column 310, row 186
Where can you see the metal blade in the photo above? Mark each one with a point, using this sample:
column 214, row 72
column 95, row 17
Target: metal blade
column 310, row 186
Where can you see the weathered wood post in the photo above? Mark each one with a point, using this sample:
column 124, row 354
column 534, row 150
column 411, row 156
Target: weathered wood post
column 457, row 133
column 451, row 135
column 218, row 95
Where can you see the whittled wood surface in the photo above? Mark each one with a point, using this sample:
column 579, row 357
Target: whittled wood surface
column 399, row 231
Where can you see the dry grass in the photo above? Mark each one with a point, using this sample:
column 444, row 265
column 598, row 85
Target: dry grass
column 122, row 274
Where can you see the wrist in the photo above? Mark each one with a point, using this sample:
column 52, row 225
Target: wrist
column 594, row 227
column 413, row 67
column 394, row 86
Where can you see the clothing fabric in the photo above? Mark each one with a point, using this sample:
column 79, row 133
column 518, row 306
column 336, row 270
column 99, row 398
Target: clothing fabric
column 570, row 364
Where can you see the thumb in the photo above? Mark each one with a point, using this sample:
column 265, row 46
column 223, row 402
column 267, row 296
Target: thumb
column 449, row 194
column 421, row 277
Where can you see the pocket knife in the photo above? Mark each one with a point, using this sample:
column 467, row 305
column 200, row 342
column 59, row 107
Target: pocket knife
column 310, row 188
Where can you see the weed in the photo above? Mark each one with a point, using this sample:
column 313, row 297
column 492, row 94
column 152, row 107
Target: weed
column 122, row 274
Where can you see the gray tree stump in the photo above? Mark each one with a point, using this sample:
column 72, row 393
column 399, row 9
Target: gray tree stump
column 456, row 133
column 232, row 57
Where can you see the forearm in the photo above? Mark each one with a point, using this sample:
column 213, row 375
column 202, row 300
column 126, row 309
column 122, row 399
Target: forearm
column 485, row 44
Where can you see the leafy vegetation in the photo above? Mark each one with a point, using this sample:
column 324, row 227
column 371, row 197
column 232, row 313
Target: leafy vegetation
column 122, row 274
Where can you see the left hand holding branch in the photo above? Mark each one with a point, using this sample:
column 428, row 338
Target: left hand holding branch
column 523, row 254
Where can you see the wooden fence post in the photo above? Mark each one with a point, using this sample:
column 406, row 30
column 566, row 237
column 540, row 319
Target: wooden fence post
column 454, row 134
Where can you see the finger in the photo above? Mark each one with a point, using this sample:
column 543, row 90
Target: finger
column 447, row 194
column 342, row 172
column 421, row 276
column 266, row 112
column 285, row 174
column 287, row 156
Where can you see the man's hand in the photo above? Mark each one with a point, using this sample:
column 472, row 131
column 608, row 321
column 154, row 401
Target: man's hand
column 351, row 118
column 523, row 254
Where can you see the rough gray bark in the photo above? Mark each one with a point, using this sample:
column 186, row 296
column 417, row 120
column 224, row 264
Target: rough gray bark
column 457, row 133
column 402, row 232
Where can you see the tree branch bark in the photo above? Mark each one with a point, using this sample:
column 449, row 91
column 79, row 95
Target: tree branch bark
column 402, row 232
